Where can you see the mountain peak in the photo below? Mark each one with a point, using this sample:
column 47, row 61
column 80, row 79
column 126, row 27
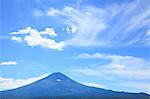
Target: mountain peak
column 57, row 73
column 57, row 76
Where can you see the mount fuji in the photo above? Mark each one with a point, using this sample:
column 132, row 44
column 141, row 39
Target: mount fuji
column 59, row 86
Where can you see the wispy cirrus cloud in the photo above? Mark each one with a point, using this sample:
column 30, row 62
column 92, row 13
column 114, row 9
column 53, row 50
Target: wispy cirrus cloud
column 10, row 83
column 147, row 40
column 81, row 23
column 8, row 63
column 33, row 37
column 111, row 26
column 117, row 25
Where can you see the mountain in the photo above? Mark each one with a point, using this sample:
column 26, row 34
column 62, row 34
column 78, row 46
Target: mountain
column 59, row 86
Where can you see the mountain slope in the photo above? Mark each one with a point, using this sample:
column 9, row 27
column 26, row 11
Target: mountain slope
column 58, row 84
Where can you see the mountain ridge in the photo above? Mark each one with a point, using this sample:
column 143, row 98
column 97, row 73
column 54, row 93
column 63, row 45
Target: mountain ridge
column 57, row 84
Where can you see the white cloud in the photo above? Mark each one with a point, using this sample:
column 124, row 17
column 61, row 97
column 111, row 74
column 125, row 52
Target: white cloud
column 10, row 83
column 94, row 85
column 71, row 28
column 18, row 39
column 50, row 32
column 95, row 55
column 8, row 63
column 33, row 37
column 117, row 67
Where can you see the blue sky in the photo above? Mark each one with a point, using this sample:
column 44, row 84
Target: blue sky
column 102, row 43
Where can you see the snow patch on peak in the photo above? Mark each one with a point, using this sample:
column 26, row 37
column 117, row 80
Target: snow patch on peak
column 58, row 80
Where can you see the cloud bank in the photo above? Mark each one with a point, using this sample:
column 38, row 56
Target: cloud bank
column 94, row 85
column 119, row 69
column 11, row 83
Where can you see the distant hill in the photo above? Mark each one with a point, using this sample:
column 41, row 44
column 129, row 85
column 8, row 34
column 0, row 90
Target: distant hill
column 59, row 86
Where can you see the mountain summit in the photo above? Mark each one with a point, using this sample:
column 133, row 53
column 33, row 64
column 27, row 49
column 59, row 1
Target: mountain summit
column 57, row 77
column 58, row 86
